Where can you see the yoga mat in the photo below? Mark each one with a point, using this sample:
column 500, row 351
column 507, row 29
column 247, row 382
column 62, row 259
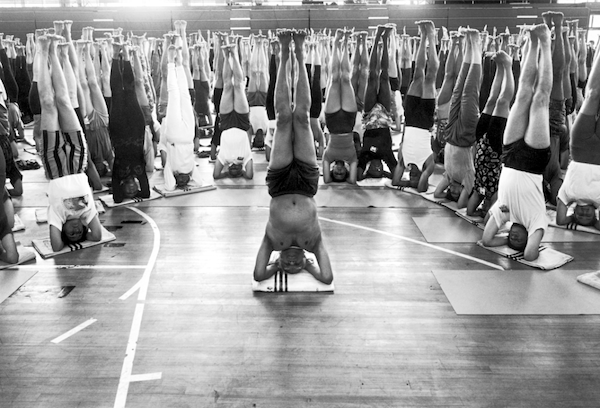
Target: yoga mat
column 179, row 191
column 592, row 279
column 110, row 202
column 44, row 247
column 41, row 214
column 19, row 226
column 298, row 282
column 25, row 255
column 472, row 219
column 374, row 182
column 517, row 292
column 446, row 229
column 549, row 258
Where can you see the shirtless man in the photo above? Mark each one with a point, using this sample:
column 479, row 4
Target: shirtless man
column 292, row 178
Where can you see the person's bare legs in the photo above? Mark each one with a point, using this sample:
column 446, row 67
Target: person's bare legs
column 416, row 86
column 282, row 151
column 538, row 132
column 303, row 140
column 333, row 101
column 433, row 63
column 66, row 114
column 49, row 120
column 518, row 120
column 371, row 91
column 555, row 19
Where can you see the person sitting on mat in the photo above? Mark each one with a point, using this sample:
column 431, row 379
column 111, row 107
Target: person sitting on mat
column 235, row 155
column 419, row 110
column 292, row 179
column 459, row 176
column 72, row 214
column 340, row 161
column 377, row 120
column 178, row 127
column 582, row 180
column 526, row 153
column 127, row 130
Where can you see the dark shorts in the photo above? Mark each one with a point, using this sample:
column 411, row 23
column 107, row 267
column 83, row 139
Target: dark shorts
column 296, row 178
column 216, row 137
column 340, row 122
column 202, row 90
column 487, row 168
column 419, row 112
column 394, row 84
column 377, row 144
column 520, row 156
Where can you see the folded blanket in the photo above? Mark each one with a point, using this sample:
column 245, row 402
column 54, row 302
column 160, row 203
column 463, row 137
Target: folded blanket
column 592, row 279
column 44, row 247
column 549, row 258
column 25, row 255
column 110, row 202
column 551, row 215
column 179, row 191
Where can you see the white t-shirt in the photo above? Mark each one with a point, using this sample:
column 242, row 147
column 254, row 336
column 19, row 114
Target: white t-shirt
column 70, row 197
column 235, row 147
column 521, row 193
column 581, row 184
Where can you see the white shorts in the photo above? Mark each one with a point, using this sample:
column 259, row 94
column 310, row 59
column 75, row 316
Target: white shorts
column 416, row 146
column 259, row 119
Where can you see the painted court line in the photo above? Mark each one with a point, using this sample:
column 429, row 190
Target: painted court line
column 73, row 331
column 126, row 376
column 131, row 291
column 414, row 241
column 107, row 267
column 145, row 377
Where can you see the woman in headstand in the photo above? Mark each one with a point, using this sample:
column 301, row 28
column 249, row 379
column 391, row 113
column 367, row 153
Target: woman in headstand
column 526, row 153
column 235, row 156
column 459, row 176
column 419, row 110
column 72, row 214
column 377, row 120
column 127, row 130
column 178, row 126
column 582, row 180
column 340, row 161
column 490, row 131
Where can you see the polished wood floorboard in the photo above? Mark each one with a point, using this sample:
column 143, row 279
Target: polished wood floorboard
column 388, row 337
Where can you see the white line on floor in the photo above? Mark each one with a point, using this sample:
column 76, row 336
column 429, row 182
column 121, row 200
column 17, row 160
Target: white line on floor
column 145, row 377
column 134, row 333
column 131, row 291
column 73, row 331
column 48, row 266
column 414, row 241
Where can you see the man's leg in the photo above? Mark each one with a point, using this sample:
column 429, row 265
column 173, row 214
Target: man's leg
column 282, row 152
column 374, row 67
column 538, row 134
column 240, row 101
column 333, row 100
column 303, row 143
column 518, row 119
column 416, row 86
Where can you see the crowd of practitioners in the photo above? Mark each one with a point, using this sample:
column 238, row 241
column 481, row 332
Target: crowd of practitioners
column 510, row 116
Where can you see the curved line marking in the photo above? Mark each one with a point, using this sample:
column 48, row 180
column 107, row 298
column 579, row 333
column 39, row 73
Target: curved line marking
column 125, row 379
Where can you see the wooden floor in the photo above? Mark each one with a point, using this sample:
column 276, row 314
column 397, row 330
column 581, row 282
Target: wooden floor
column 199, row 337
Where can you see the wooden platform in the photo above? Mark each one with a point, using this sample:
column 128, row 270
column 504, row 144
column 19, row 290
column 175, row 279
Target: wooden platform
column 196, row 335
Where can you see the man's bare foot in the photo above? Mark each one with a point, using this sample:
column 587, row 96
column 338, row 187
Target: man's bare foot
column 501, row 57
column 58, row 27
column 541, row 32
column 285, row 37
column 171, row 54
column 426, row 26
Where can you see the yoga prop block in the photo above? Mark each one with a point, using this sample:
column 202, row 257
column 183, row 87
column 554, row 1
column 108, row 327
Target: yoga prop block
column 25, row 255
column 551, row 214
column 19, row 226
column 11, row 280
column 109, row 201
column 549, row 258
column 592, row 279
column 517, row 292
column 178, row 191
column 298, row 282
column 44, row 247
column 41, row 214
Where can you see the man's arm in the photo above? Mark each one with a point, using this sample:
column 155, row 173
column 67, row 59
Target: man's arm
column 561, row 213
column 440, row 190
column 95, row 229
column 8, row 250
column 326, row 171
column 262, row 269
column 218, row 172
column 532, row 250
column 352, row 174
column 55, row 239
column 463, row 199
column 322, row 271
column 248, row 171
column 489, row 237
